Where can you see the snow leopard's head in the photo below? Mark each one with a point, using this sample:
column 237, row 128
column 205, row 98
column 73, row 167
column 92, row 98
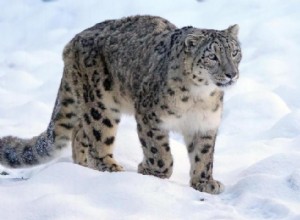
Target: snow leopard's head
column 213, row 56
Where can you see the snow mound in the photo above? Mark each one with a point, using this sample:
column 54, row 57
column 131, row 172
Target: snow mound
column 269, row 189
column 287, row 127
column 260, row 109
column 88, row 194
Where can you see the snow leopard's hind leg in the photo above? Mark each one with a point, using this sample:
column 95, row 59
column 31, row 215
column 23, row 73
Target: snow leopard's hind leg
column 80, row 145
column 99, row 110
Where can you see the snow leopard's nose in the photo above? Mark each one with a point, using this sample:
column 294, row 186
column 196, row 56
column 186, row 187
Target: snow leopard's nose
column 231, row 75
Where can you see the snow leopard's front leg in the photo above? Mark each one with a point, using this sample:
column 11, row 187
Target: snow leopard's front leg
column 158, row 160
column 200, row 148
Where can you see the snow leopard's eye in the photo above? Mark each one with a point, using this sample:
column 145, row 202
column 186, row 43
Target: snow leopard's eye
column 212, row 56
column 234, row 53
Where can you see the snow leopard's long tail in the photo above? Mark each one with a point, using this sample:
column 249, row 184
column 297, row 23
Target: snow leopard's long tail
column 18, row 153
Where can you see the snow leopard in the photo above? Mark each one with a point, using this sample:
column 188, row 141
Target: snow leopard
column 169, row 78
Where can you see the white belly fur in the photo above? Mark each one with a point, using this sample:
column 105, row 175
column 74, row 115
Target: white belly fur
column 193, row 121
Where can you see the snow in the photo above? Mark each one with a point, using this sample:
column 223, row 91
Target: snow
column 257, row 151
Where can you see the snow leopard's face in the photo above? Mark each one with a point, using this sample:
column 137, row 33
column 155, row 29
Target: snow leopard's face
column 214, row 56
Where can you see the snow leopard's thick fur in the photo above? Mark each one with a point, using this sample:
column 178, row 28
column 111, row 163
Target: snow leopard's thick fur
column 169, row 78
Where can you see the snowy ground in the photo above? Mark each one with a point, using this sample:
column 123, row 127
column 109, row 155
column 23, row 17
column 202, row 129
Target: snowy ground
column 258, row 150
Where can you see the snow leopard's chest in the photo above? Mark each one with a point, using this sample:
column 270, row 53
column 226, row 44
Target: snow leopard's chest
column 198, row 114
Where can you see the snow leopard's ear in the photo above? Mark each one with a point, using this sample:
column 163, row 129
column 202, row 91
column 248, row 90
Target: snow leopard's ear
column 192, row 40
column 233, row 30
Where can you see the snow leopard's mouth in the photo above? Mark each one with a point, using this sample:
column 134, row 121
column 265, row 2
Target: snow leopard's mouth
column 227, row 84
